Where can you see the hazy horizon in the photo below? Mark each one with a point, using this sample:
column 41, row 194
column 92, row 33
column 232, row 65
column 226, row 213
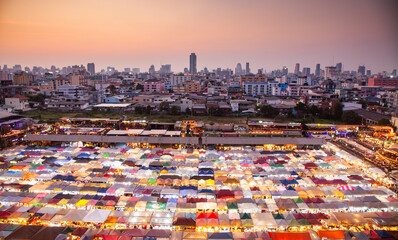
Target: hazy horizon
column 268, row 34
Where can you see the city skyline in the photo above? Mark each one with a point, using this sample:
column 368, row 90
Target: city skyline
column 222, row 34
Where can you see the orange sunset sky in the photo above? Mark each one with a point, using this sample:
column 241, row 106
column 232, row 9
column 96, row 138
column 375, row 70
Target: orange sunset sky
column 268, row 34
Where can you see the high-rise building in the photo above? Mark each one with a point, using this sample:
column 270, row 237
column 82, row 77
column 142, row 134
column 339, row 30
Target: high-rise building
column 380, row 81
column 297, row 69
column 339, row 67
column 361, row 70
column 110, row 70
column 91, row 68
column 165, row 68
column 247, row 68
column 368, row 72
column 318, row 70
column 394, row 72
column 285, row 70
column 192, row 64
column 330, row 72
column 306, row 71
column 17, row 68
column 21, row 78
column 238, row 69
column 151, row 69
column 5, row 78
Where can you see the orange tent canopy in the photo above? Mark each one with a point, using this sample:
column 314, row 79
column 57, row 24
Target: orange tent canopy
column 290, row 235
column 335, row 234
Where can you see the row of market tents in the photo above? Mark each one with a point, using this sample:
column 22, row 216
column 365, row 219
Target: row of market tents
column 192, row 220
column 9, row 231
column 170, row 189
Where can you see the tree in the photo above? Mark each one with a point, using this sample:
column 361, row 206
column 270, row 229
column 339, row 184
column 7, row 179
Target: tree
column 38, row 98
column 351, row 117
column 337, row 110
column 139, row 87
column 384, row 122
column 112, row 89
column 148, row 110
column 188, row 111
column 163, row 106
column 301, row 107
column 139, row 110
column 314, row 110
column 268, row 111
column 174, row 110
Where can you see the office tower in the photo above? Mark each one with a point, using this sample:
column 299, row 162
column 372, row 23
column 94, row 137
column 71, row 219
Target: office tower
column 318, row 70
column 238, row 69
column 91, row 68
column 17, row 67
column 127, row 70
column 394, row 72
column 192, row 64
column 151, row 69
column 306, row 71
column 368, row 72
column 361, row 70
column 330, row 72
column 247, row 68
column 186, row 71
column 339, row 67
column 110, row 70
column 165, row 68
column 285, row 70
column 297, row 69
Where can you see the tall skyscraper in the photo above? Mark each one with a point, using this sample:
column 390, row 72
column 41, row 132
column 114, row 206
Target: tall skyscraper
column 91, row 68
column 361, row 70
column 247, row 68
column 152, row 69
column 192, row 64
column 238, row 69
column 318, row 70
column 394, row 72
column 285, row 70
column 297, row 69
column 165, row 68
column 330, row 72
column 368, row 72
column 306, row 71
column 339, row 67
